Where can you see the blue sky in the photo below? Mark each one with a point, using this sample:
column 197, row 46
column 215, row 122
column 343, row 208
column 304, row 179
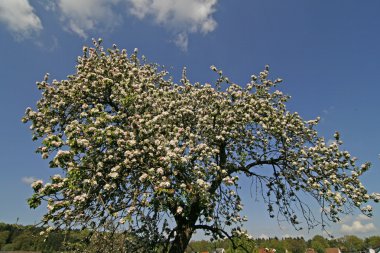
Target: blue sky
column 327, row 52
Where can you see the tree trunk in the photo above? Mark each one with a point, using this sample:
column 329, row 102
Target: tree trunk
column 182, row 238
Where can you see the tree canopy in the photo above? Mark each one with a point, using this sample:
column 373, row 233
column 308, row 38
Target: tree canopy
column 163, row 159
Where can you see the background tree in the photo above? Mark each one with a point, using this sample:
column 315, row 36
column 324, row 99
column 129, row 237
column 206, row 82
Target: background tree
column 295, row 245
column 272, row 243
column 319, row 243
column 147, row 154
column 352, row 243
column 3, row 238
column 372, row 242
column 198, row 246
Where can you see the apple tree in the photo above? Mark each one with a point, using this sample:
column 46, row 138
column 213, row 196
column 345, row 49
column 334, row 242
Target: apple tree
column 162, row 160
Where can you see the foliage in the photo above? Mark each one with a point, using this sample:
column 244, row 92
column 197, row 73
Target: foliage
column 289, row 244
column 3, row 238
column 372, row 242
column 146, row 154
column 33, row 238
column 319, row 243
column 351, row 243
column 28, row 238
column 295, row 245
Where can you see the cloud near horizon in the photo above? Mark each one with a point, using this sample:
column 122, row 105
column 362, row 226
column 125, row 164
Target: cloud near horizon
column 19, row 18
column 358, row 226
column 263, row 236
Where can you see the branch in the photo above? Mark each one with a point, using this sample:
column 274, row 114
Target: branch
column 221, row 233
column 215, row 230
column 271, row 161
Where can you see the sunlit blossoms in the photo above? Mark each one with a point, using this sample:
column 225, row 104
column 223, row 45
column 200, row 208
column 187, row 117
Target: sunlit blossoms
column 136, row 149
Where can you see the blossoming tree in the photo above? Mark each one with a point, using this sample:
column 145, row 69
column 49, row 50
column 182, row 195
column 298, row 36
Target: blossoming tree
column 146, row 154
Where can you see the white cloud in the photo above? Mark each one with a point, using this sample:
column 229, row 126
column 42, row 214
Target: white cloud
column 346, row 219
column 28, row 180
column 191, row 15
column 357, row 227
column 182, row 41
column 181, row 16
column 263, row 236
column 19, row 17
column 363, row 217
column 291, row 236
column 330, row 142
column 329, row 110
column 82, row 16
column 49, row 44
column 48, row 5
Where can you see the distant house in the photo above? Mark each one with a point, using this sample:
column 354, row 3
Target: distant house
column 267, row 250
column 332, row 250
column 217, row 250
column 375, row 250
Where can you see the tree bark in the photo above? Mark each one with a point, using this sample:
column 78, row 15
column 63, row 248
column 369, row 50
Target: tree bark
column 182, row 238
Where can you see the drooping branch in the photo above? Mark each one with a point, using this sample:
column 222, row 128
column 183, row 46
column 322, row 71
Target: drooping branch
column 222, row 233
column 215, row 230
